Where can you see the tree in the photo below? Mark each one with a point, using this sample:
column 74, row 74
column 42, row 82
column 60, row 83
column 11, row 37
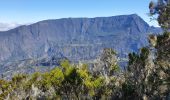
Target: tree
column 161, row 75
column 148, row 72
column 139, row 68
column 162, row 8
column 4, row 89
column 108, row 69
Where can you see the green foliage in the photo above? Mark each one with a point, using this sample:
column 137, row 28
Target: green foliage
column 4, row 88
column 144, row 53
column 133, row 58
column 128, row 89
column 19, row 78
column 65, row 81
column 45, row 83
column 161, row 38
column 56, row 77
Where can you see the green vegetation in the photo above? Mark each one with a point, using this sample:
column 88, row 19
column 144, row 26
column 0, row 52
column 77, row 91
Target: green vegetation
column 147, row 76
column 67, row 81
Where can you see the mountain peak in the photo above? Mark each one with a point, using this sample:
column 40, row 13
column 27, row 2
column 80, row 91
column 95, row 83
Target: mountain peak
column 135, row 15
column 140, row 23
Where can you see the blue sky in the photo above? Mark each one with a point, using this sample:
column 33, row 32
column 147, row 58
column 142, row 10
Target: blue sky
column 30, row 11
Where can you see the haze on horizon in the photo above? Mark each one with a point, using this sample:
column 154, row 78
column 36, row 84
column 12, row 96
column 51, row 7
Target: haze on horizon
column 19, row 12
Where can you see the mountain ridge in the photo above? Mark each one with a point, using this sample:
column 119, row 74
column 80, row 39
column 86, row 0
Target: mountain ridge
column 77, row 39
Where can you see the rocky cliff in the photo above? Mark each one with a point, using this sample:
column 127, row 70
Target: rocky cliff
column 77, row 39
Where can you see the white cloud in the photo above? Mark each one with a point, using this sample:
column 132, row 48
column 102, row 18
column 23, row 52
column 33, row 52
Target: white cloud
column 8, row 26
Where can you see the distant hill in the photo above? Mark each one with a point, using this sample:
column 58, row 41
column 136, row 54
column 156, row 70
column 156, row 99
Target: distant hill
column 78, row 39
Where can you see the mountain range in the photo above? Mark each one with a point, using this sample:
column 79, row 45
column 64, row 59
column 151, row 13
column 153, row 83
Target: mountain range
column 77, row 39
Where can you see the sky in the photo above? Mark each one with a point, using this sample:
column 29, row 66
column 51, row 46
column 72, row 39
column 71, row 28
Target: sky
column 31, row 11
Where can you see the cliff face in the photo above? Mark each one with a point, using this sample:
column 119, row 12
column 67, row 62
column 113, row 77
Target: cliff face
column 74, row 38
